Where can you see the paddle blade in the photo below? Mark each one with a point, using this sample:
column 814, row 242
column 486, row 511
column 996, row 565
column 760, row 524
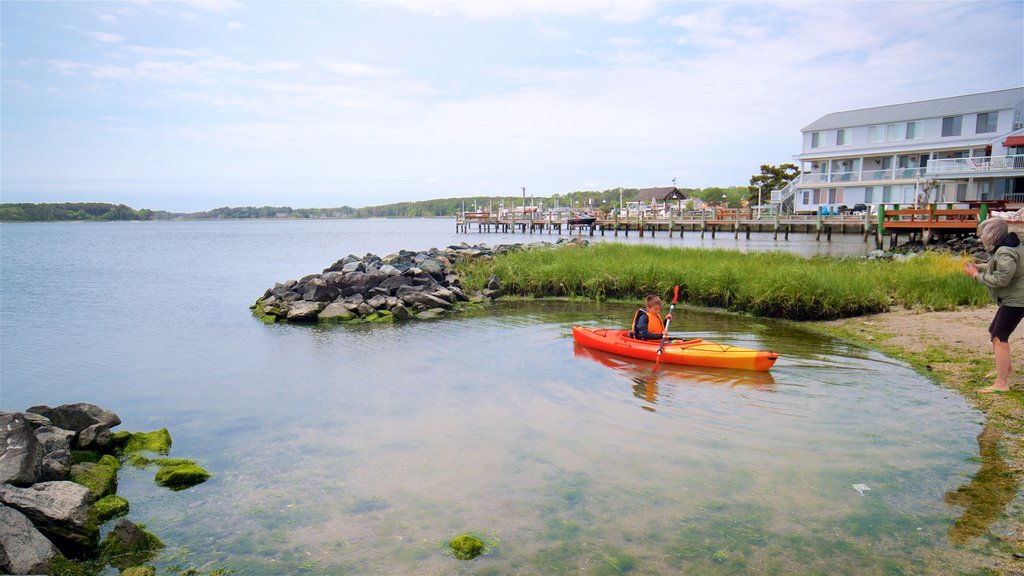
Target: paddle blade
column 675, row 294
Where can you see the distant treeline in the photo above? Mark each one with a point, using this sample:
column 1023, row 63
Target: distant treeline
column 440, row 207
column 76, row 211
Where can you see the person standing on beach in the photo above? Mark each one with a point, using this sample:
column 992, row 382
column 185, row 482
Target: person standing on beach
column 1003, row 276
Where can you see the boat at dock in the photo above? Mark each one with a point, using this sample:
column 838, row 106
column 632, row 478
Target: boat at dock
column 696, row 352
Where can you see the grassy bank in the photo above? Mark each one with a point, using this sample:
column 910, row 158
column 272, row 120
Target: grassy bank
column 774, row 284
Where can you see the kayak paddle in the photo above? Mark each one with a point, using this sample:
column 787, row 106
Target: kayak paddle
column 664, row 333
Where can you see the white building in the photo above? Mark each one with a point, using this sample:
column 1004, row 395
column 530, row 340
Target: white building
column 957, row 150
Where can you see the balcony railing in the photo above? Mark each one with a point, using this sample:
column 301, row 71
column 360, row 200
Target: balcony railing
column 862, row 176
column 975, row 165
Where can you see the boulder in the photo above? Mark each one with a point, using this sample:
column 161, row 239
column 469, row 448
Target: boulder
column 52, row 438
column 21, row 455
column 390, row 302
column 77, row 417
column 99, row 477
column 181, row 476
column 395, row 282
column 56, row 466
column 493, row 283
column 60, row 510
column 23, row 550
column 427, row 300
column 36, row 420
column 355, row 299
column 390, row 270
column 400, row 312
column 433, row 266
column 407, row 290
column 365, row 309
column 377, row 291
column 111, row 506
column 158, row 441
column 305, row 311
column 378, row 302
column 355, row 266
column 320, row 290
column 444, row 294
column 335, row 312
column 96, row 437
column 128, row 545
column 431, row 313
column 290, row 297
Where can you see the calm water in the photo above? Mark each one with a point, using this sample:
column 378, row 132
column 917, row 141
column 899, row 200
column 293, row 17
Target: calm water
column 360, row 450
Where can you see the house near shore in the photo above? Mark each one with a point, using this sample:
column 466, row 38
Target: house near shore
column 659, row 198
column 959, row 150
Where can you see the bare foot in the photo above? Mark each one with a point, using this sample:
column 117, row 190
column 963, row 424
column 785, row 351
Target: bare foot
column 994, row 388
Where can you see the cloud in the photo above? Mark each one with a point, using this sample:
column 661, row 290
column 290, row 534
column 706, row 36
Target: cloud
column 105, row 37
column 346, row 68
column 107, row 18
column 234, row 25
column 218, row 6
column 610, row 10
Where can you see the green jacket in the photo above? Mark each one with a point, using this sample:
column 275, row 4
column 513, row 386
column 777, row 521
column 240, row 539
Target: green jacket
column 1004, row 274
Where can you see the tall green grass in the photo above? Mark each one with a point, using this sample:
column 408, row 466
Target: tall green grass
column 772, row 284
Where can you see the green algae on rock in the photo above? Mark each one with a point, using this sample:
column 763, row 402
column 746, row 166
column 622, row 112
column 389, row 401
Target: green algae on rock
column 99, row 477
column 61, row 566
column 182, row 476
column 466, row 546
column 158, row 441
column 139, row 571
column 129, row 544
column 110, row 507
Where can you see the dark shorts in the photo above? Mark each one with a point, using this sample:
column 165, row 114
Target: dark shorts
column 1005, row 322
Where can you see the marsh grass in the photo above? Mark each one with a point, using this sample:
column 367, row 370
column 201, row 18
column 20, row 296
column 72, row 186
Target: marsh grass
column 771, row 284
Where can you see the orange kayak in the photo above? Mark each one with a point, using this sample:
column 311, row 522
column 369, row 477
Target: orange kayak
column 691, row 352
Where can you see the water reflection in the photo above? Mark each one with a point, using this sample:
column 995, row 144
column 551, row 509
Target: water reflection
column 985, row 497
column 649, row 386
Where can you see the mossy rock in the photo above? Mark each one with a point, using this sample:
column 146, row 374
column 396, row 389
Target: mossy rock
column 82, row 456
column 466, row 546
column 139, row 571
column 181, row 477
column 99, row 477
column 382, row 316
column 158, row 441
column 138, row 461
column 129, row 544
column 110, row 507
column 61, row 566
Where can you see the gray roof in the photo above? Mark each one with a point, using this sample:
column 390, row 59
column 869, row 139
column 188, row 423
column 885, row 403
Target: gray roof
column 659, row 194
column 985, row 101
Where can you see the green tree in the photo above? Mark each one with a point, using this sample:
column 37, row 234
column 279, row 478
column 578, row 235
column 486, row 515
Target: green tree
column 772, row 178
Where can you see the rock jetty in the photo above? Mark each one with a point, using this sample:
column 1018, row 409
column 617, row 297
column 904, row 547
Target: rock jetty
column 397, row 287
column 966, row 246
column 58, row 478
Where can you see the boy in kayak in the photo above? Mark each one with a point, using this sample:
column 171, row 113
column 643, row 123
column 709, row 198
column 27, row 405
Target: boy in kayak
column 647, row 323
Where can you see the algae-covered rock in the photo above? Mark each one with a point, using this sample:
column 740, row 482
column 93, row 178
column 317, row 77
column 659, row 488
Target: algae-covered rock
column 61, row 566
column 158, row 441
column 129, row 544
column 81, row 456
column 138, row 461
column 109, row 507
column 466, row 546
column 182, row 476
column 139, row 571
column 99, row 477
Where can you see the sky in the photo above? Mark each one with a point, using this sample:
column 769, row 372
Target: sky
column 189, row 105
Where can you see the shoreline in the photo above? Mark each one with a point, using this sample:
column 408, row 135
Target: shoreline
column 952, row 349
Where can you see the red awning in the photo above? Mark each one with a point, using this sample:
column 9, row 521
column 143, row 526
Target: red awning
column 1014, row 141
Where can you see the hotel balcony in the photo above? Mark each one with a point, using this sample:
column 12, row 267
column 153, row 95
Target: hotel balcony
column 990, row 166
column 880, row 176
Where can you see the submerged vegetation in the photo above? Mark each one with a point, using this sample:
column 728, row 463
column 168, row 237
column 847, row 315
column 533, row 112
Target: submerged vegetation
column 772, row 284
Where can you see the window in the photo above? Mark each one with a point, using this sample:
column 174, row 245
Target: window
column 886, row 194
column 951, row 125
column 815, row 139
column 894, row 132
column 987, row 122
column 868, row 193
column 807, row 197
column 842, row 136
column 914, row 130
column 876, row 133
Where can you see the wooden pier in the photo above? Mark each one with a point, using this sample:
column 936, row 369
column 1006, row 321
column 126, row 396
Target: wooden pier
column 917, row 223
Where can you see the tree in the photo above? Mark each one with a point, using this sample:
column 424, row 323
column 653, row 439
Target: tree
column 772, row 178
